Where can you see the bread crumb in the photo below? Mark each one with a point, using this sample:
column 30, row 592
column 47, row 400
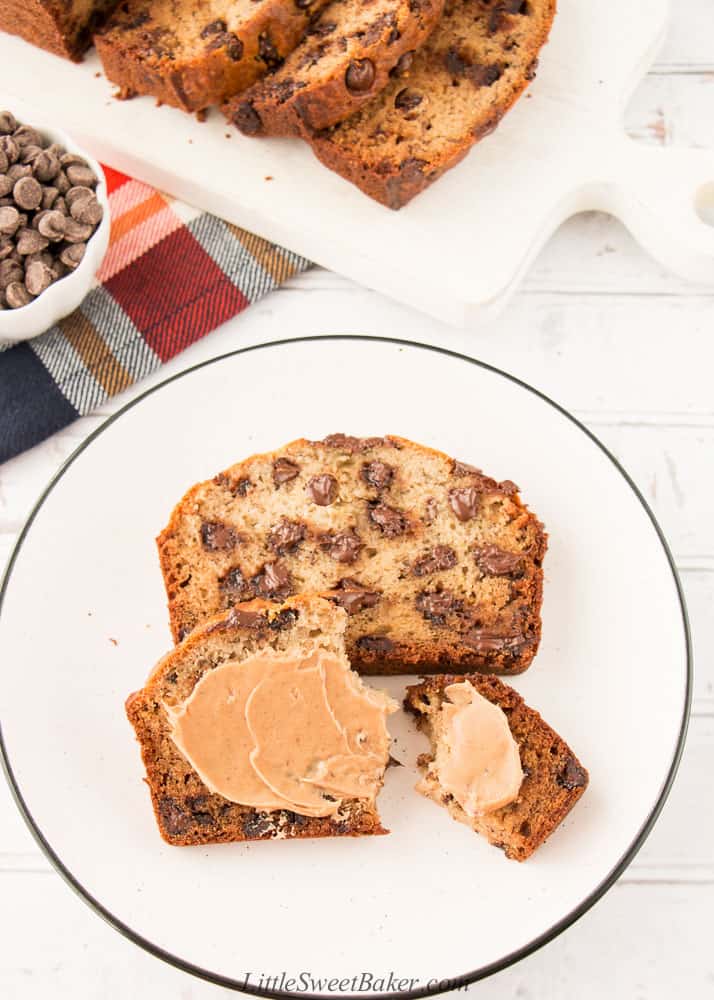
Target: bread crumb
column 114, row 642
column 268, row 178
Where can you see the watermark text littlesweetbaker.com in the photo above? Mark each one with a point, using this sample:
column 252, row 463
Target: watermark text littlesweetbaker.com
column 363, row 982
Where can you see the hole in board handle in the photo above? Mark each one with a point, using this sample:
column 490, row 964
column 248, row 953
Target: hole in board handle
column 704, row 203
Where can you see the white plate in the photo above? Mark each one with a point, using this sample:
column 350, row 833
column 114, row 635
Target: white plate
column 83, row 620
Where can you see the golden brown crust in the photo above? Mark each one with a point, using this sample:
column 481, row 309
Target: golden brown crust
column 51, row 24
column 363, row 41
column 144, row 53
column 554, row 777
column 456, row 610
column 485, row 49
column 186, row 811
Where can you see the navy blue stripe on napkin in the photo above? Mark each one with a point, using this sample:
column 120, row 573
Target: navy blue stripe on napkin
column 31, row 405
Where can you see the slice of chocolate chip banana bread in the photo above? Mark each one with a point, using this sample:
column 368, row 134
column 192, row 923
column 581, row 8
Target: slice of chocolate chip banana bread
column 196, row 54
column 552, row 779
column 349, row 54
column 63, row 27
column 473, row 67
column 437, row 565
column 218, row 721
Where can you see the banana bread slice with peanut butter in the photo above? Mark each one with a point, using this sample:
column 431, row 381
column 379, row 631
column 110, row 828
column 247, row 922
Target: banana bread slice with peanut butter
column 196, row 54
column 494, row 763
column 256, row 728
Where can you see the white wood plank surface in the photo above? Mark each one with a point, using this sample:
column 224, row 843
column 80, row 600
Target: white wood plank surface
column 630, row 350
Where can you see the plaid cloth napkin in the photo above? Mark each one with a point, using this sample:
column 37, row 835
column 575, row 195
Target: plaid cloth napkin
column 171, row 275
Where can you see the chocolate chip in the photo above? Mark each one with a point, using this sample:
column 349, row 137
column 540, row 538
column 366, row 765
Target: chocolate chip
column 465, row 502
column 322, row 30
column 342, row 546
column 38, row 277
column 463, row 469
column 375, row 644
column 377, row 474
column 572, row 775
column 86, row 211
column 30, row 241
column 360, row 76
column 247, row 119
column 45, row 166
column 403, row 65
column 214, row 28
column 273, row 581
column 407, row 100
column 218, row 537
column 9, row 220
column 303, row 4
column 243, row 487
column 10, row 271
column 26, row 135
column 268, row 52
column 394, row 36
column 437, row 605
column 353, row 596
column 27, row 193
column 77, row 193
column 242, row 618
column 236, row 585
column 256, row 825
column 323, row 489
column 284, row 470
column 9, row 148
column 390, row 522
column 73, row 255
column 76, row 232
column 81, row 173
column 286, row 536
column 498, row 562
column 53, row 226
column 439, row 558
column 488, row 642
column 8, row 122
column 175, row 819
column 284, row 619
column 17, row 296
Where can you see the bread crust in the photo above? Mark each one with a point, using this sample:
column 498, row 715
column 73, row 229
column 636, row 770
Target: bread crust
column 186, row 812
column 49, row 25
column 316, row 102
column 394, row 176
column 554, row 777
column 431, row 643
column 139, row 63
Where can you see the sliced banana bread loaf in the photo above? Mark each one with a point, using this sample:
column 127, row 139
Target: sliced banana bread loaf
column 255, row 728
column 476, row 63
column 553, row 778
column 195, row 54
column 437, row 565
column 348, row 56
column 63, row 27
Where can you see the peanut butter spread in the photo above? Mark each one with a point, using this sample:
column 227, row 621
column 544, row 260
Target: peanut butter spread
column 477, row 758
column 275, row 732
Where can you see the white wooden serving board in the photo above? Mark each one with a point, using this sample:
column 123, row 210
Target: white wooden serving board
column 459, row 249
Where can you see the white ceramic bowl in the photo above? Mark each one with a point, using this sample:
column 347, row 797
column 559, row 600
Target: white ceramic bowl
column 63, row 296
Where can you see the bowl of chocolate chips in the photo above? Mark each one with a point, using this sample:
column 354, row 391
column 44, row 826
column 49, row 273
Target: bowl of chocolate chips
column 54, row 225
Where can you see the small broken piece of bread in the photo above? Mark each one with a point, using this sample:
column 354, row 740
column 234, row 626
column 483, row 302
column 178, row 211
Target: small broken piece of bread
column 255, row 727
column 553, row 778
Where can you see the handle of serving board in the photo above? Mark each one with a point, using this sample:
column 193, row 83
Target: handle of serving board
column 666, row 198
